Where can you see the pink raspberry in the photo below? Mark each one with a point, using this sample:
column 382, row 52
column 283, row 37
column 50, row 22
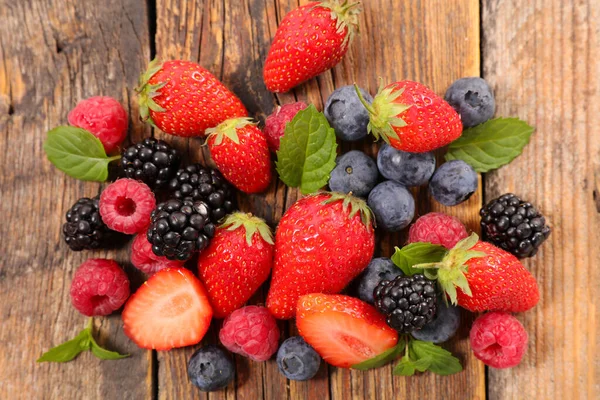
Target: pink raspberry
column 498, row 339
column 99, row 287
column 144, row 259
column 276, row 122
column 126, row 205
column 103, row 116
column 437, row 228
column 252, row 332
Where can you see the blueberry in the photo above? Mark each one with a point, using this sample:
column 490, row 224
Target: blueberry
column 473, row 100
column 453, row 183
column 346, row 114
column 443, row 326
column 409, row 169
column 393, row 206
column 210, row 368
column 354, row 172
column 377, row 270
column 297, row 360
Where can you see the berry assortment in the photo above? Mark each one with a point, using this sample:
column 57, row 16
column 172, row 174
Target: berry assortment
column 400, row 307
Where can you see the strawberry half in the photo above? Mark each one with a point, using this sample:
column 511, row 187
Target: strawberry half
column 171, row 309
column 344, row 330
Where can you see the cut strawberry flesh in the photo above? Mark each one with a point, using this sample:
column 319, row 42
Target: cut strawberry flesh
column 170, row 310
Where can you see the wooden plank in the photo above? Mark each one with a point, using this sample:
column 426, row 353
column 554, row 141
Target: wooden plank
column 53, row 54
column 543, row 61
column 433, row 42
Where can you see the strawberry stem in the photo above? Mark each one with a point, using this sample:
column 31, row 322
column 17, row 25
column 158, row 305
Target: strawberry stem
column 363, row 101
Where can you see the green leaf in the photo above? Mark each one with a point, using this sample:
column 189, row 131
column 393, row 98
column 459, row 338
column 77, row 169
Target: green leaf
column 407, row 367
column 104, row 354
column 69, row 349
column 77, row 153
column 417, row 253
column 492, row 144
column 382, row 358
column 441, row 361
column 307, row 151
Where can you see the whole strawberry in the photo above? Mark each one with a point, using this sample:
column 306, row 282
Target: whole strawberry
column 237, row 261
column 241, row 153
column 322, row 242
column 411, row 117
column 183, row 99
column 482, row 277
column 310, row 40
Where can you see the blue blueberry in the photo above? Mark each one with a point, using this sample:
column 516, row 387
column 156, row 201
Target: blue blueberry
column 409, row 169
column 354, row 172
column 346, row 114
column 297, row 360
column 473, row 100
column 210, row 368
column 393, row 206
column 377, row 270
column 443, row 326
column 453, row 182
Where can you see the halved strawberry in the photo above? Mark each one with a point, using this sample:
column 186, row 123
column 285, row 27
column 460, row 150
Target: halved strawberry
column 171, row 309
column 343, row 330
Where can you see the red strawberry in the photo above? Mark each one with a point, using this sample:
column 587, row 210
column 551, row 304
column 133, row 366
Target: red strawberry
column 237, row 261
column 482, row 277
column 322, row 242
column 171, row 309
column 241, row 153
column 184, row 99
column 411, row 117
column 345, row 331
column 310, row 40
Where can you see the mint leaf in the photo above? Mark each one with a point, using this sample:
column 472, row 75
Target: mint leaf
column 408, row 367
column 441, row 361
column 417, row 253
column 492, row 144
column 77, row 153
column 382, row 358
column 104, row 354
column 307, row 151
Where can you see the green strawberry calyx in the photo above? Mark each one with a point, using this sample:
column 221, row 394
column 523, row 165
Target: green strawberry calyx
column 384, row 111
column 228, row 128
column 346, row 16
column 251, row 225
column 356, row 206
column 147, row 92
column 450, row 273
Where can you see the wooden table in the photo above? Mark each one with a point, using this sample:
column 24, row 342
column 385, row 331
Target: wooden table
column 541, row 57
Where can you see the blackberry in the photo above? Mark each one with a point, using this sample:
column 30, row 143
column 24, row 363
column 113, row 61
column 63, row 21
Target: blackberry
column 84, row 228
column 514, row 225
column 409, row 302
column 179, row 228
column 207, row 185
column 151, row 161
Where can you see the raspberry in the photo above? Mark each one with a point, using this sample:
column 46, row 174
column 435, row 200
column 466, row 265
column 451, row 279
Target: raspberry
column 126, row 205
column 104, row 117
column 437, row 228
column 252, row 332
column 498, row 339
column 99, row 287
column 276, row 122
column 145, row 260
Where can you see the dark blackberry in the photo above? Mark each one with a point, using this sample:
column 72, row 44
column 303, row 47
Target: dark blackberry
column 514, row 225
column 151, row 161
column 409, row 302
column 179, row 228
column 205, row 184
column 84, row 228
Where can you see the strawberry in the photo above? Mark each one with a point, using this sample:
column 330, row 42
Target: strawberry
column 183, row 99
column 322, row 242
column 237, row 261
column 345, row 331
column 171, row 309
column 482, row 277
column 310, row 40
column 411, row 117
column 241, row 153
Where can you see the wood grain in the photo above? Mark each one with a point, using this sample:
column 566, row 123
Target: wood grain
column 543, row 61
